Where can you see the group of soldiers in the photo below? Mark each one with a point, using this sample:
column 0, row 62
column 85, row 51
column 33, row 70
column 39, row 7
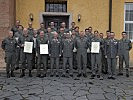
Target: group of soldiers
column 71, row 46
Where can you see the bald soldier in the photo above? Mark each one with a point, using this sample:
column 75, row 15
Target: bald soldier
column 82, row 44
column 25, row 57
column 55, row 51
column 125, row 46
column 9, row 45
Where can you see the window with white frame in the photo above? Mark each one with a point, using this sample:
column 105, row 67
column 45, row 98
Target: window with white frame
column 128, row 20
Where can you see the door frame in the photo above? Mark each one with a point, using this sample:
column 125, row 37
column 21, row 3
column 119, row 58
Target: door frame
column 56, row 14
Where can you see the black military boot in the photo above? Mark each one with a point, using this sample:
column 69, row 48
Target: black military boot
column 12, row 74
column 8, row 75
column 127, row 73
column 30, row 75
column 22, row 74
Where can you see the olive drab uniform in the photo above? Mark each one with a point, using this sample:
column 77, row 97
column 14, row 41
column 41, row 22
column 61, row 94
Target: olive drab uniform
column 82, row 45
column 111, row 51
column 17, row 35
column 30, row 32
column 9, row 46
column 42, row 58
column 25, row 57
column 96, row 58
column 125, row 46
column 55, row 51
column 67, row 47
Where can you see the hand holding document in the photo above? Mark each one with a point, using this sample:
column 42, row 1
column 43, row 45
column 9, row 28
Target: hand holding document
column 43, row 48
column 95, row 47
column 28, row 46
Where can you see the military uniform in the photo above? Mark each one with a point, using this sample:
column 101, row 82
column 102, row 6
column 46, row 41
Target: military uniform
column 104, row 61
column 55, row 51
column 81, row 45
column 67, row 47
column 31, row 32
column 111, row 51
column 42, row 59
column 125, row 46
column 14, row 29
column 25, row 57
column 9, row 46
column 17, row 35
column 96, row 58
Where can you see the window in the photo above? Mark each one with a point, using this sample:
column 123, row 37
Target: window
column 128, row 20
column 55, row 6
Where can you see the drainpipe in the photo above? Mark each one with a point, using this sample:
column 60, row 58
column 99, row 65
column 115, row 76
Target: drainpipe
column 110, row 15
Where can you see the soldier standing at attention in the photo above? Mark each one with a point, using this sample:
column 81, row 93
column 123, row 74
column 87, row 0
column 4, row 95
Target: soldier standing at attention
column 67, row 47
column 82, row 45
column 30, row 29
column 34, row 57
column 73, row 26
column 111, row 53
column 25, row 57
column 125, row 46
column 52, row 26
column 15, row 28
column 9, row 45
column 55, row 51
column 63, row 25
column 96, row 57
column 42, row 58
column 104, row 61
column 42, row 28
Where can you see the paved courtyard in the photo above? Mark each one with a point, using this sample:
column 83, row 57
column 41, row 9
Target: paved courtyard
column 65, row 88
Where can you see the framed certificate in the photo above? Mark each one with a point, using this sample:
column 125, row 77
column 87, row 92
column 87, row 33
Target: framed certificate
column 43, row 48
column 28, row 46
column 95, row 47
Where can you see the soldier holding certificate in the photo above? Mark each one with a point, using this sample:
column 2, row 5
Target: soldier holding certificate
column 55, row 50
column 96, row 56
column 42, row 57
column 25, row 56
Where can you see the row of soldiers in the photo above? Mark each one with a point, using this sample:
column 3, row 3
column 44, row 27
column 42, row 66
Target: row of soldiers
column 72, row 46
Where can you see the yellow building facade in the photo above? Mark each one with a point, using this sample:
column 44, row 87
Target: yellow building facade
column 93, row 13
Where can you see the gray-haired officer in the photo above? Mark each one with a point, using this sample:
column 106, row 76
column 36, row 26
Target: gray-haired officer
column 67, row 47
column 25, row 57
column 111, row 53
column 125, row 46
column 42, row 58
column 82, row 45
column 96, row 57
column 55, row 51
column 9, row 45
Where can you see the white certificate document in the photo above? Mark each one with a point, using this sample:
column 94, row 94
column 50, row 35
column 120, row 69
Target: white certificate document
column 43, row 48
column 95, row 47
column 28, row 46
